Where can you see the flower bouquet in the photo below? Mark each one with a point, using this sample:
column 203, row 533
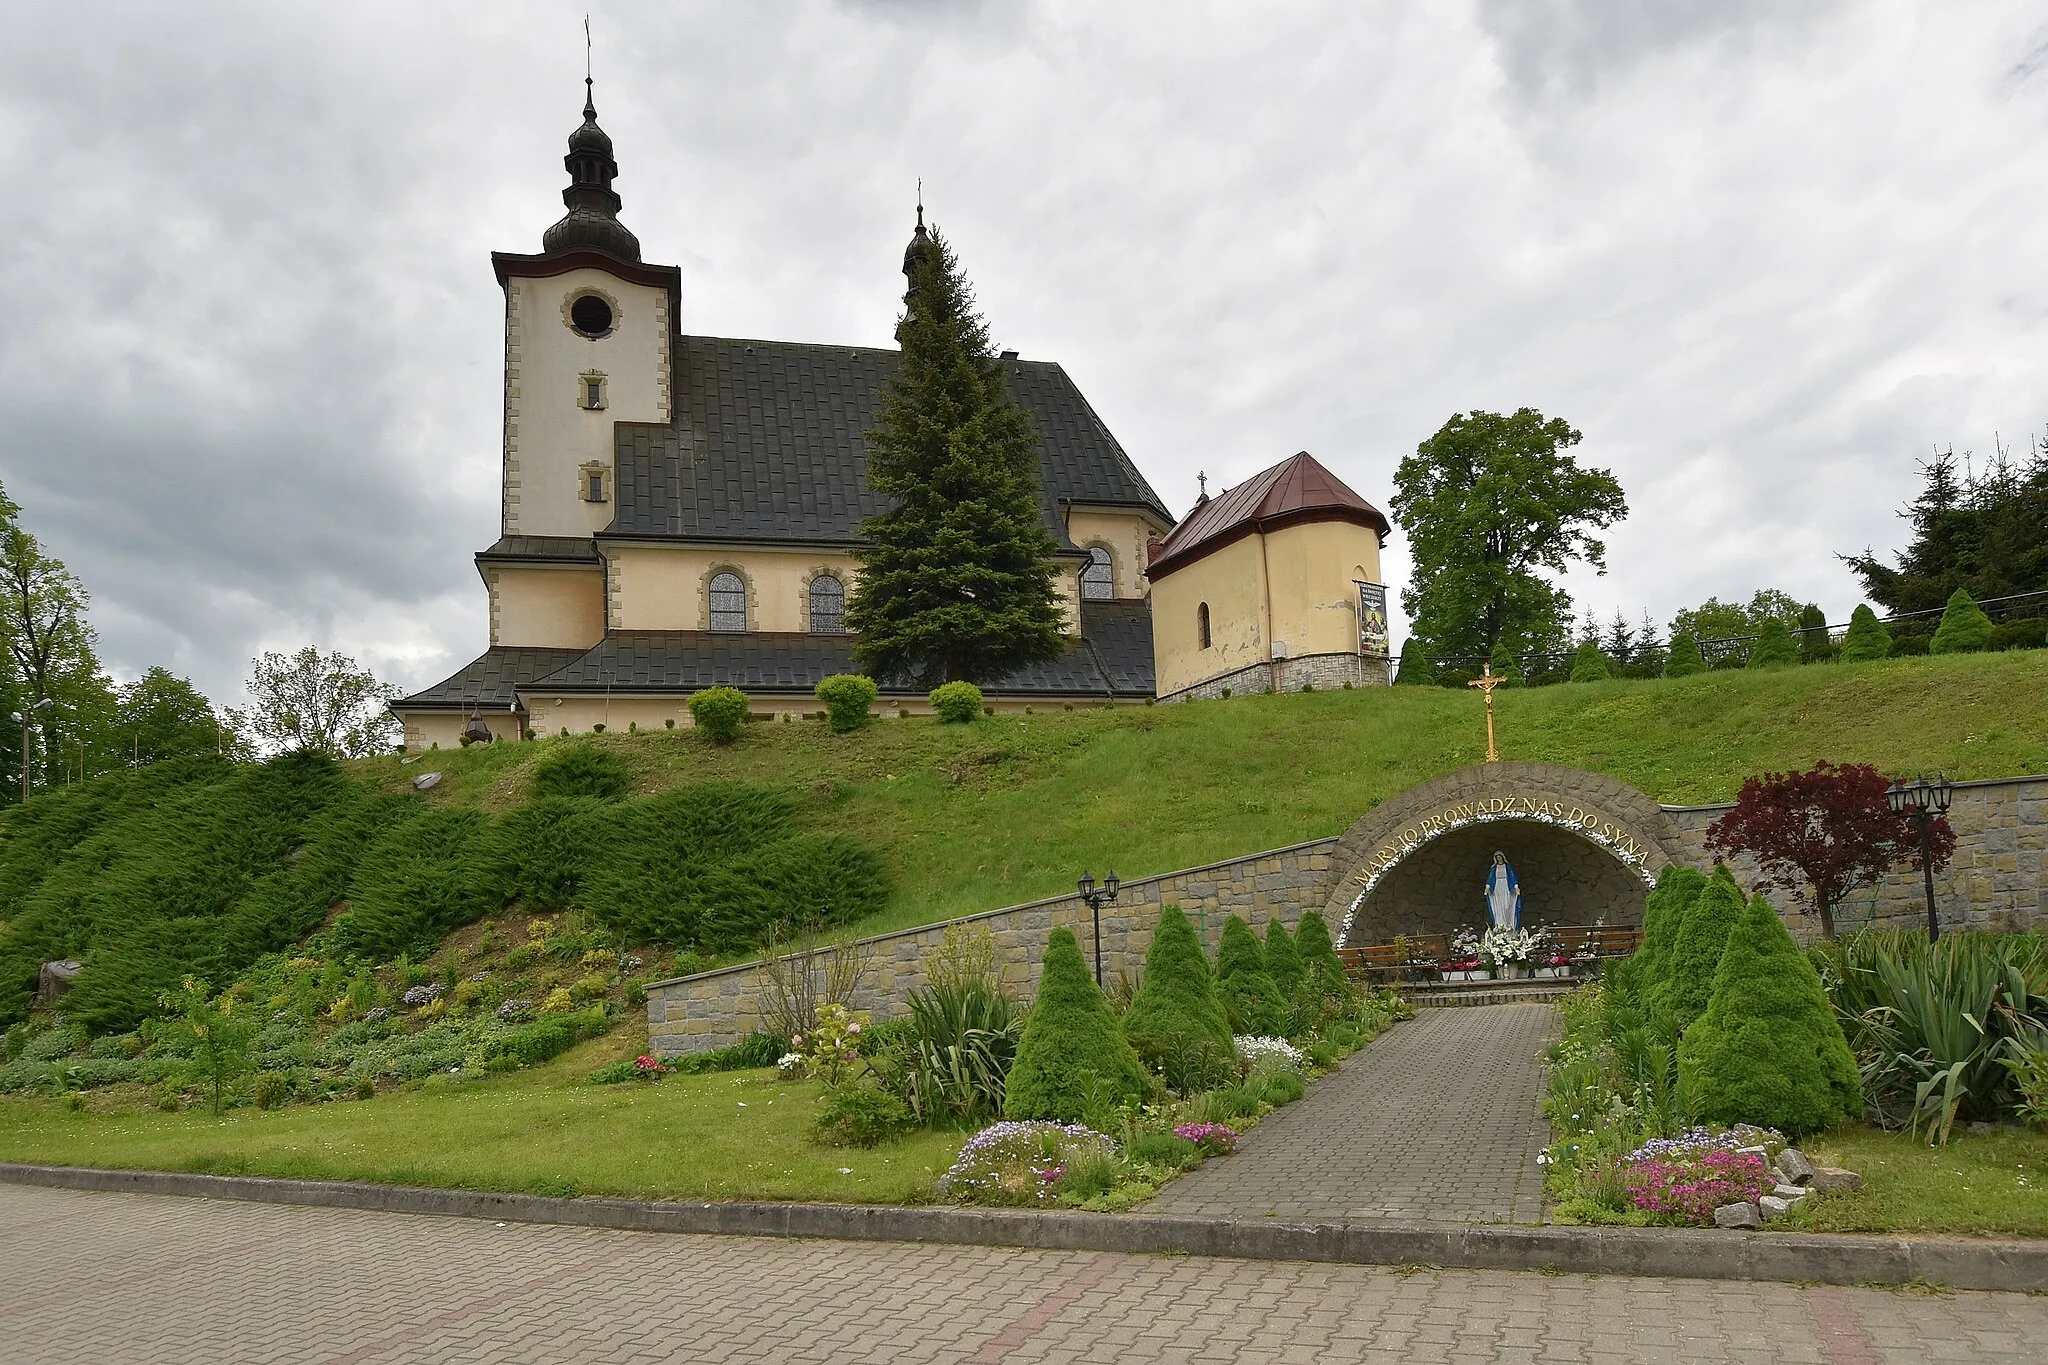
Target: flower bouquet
column 1464, row 962
column 1508, row 951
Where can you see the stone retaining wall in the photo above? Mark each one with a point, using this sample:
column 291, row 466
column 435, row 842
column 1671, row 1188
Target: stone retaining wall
column 716, row 1009
column 1998, row 879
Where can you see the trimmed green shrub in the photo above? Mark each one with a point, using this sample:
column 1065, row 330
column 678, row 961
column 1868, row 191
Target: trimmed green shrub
column 1768, row 1050
column 1176, row 1018
column 1283, row 962
column 2030, row 633
column 1251, row 1001
column 1322, row 970
column 580, row 769
column 1505, row 666
column 1664, row 914
column 860, row 1114
column 847, row 697
column 1683, row 659
column 1071, row 1061
column 1774, row 646
column 1689, row 983
column 1414, row 670
column 1905, row 646
column 720, row 712
column 1814, row 645
column 1866, row 637
column 1964, row 627
column 1590, row 665
column 956, row 702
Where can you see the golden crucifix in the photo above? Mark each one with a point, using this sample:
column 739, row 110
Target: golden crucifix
column 1486, row 682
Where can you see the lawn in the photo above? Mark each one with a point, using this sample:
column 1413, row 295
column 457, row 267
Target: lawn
column 730, row 1135
column 1981, row 1184
column 1010, row 808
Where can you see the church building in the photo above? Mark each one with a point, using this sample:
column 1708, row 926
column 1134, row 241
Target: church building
column 680, row 512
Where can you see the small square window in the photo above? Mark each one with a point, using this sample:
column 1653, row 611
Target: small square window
column 593, row 485
column 590, row 392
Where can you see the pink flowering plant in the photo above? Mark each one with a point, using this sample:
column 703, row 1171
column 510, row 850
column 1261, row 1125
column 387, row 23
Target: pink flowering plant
column 649, row 1068
column 1689, row 1187
column 832, row 1046
column 1022, row 1163
column 1215, row 1139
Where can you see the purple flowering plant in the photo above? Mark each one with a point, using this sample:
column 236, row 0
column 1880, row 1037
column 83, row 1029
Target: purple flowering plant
column 1215, row 1139
column 1020, row 1162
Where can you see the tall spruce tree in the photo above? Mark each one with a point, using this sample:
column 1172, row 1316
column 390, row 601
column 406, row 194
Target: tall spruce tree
column 957, row 577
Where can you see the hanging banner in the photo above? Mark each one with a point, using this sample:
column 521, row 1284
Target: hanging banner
column 1372, row 620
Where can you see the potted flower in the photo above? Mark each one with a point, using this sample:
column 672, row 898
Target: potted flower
column 1464, row 962
column 1508, row 951
column 1554, row 964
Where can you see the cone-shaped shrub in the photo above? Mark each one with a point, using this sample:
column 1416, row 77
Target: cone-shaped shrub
column 1505, row 668
column 1414, row 669
column 1590, row 665
column 1251, row 1000
column 1964, row 627
column 1688, row 982
column 1866, row 637
column 1774, row 647
column 1769, row 1050
column 1684, row 659
column 1176, row 1008
column 1283, row 963
column 1072, row 1058
column 1320, row 965
column 1678, row 887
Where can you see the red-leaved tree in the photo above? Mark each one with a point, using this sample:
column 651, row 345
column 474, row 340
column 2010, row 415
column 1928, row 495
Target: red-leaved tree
column 1829, row 828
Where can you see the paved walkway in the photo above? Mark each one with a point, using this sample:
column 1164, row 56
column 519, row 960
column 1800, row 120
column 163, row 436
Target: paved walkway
column 158, row 1280
column 1437, row 1120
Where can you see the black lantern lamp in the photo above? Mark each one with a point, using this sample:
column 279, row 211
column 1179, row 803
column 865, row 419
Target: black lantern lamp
column 1923, row 800
column 1096, row 898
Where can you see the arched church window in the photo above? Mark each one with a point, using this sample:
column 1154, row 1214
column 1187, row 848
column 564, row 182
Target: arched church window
column 828, row 605
column 1202, row 624
column 728, row 601
column 1098, row 580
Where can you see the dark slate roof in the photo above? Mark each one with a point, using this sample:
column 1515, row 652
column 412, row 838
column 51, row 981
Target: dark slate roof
column 552, row 549
column 1114, row 658
column 1297, row 489
column 768, row 444
column 491, row 682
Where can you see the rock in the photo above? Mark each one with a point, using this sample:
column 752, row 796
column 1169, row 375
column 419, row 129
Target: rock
column 53, row 980
column 1791, row 1193
column 1835, row 1180
column 1794, row 1166
column 1743, row 1215
column 1773, row 1207
column 1981, row 1128
column 426, row 782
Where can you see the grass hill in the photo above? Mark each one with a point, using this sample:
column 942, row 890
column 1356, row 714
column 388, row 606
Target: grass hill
column 176, row 869
column 971, row 817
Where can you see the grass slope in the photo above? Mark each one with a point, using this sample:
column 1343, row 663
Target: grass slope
column 971, row 817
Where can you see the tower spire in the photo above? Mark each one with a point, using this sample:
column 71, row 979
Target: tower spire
column 592, row 223
column 920, row 240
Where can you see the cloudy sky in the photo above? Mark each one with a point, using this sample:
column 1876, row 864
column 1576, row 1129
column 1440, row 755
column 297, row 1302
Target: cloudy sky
column 250, row 340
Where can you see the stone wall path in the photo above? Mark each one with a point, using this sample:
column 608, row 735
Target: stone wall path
column 1437, row 1119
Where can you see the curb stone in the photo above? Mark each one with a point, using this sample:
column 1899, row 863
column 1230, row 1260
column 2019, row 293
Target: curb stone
column 1684, row 1253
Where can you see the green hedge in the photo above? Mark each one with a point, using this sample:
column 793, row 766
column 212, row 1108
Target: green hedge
column 720, row 712
column 847, row 697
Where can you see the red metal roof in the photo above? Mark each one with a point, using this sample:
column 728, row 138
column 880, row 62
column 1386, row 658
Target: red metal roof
column 1296, row 490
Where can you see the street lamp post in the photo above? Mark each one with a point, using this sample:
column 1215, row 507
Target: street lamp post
column 22, row 718
column 1924, row 801
column 1096, row 897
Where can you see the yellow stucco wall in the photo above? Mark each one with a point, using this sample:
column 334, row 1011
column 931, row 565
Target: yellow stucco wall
column 1123, row 536
column 1313, row 570
column 426, row 729
column 548, row 436
column 661, row 588
column 546, row 608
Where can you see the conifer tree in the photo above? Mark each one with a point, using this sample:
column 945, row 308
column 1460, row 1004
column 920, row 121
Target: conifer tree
column 1283, row 963
column 1678, row 886
column 1505, row 667
column 1964, row 627
column 1071, row 1056
column 1414, row 669
column 957, row 577
column 1866, row 637
column 1176, row 1009
column 1774, row 647
column 1251, row 1000
column 1688, row 982
column 1814, row 645
column 1684, row 658
column 1769, row 1049
column 1321, row 969
column 1590, row 665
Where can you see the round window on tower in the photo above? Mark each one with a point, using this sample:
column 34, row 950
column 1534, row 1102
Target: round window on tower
column 591, row 315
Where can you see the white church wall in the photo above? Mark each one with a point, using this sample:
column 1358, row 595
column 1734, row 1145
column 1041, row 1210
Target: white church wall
column 549, row 436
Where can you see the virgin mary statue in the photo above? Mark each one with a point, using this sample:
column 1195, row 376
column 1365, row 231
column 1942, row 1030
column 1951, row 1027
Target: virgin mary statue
column 1503, row 894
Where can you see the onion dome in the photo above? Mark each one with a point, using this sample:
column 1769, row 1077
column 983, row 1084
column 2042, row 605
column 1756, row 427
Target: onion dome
column 920, row 243
column 592, row 223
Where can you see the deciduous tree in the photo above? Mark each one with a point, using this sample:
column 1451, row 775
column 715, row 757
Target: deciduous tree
column 309, row 702
column 1492, row 503
column 1822, row 833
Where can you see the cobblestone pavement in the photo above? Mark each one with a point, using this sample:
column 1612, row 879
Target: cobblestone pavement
column 1436, row 1120
column 142, row 1279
